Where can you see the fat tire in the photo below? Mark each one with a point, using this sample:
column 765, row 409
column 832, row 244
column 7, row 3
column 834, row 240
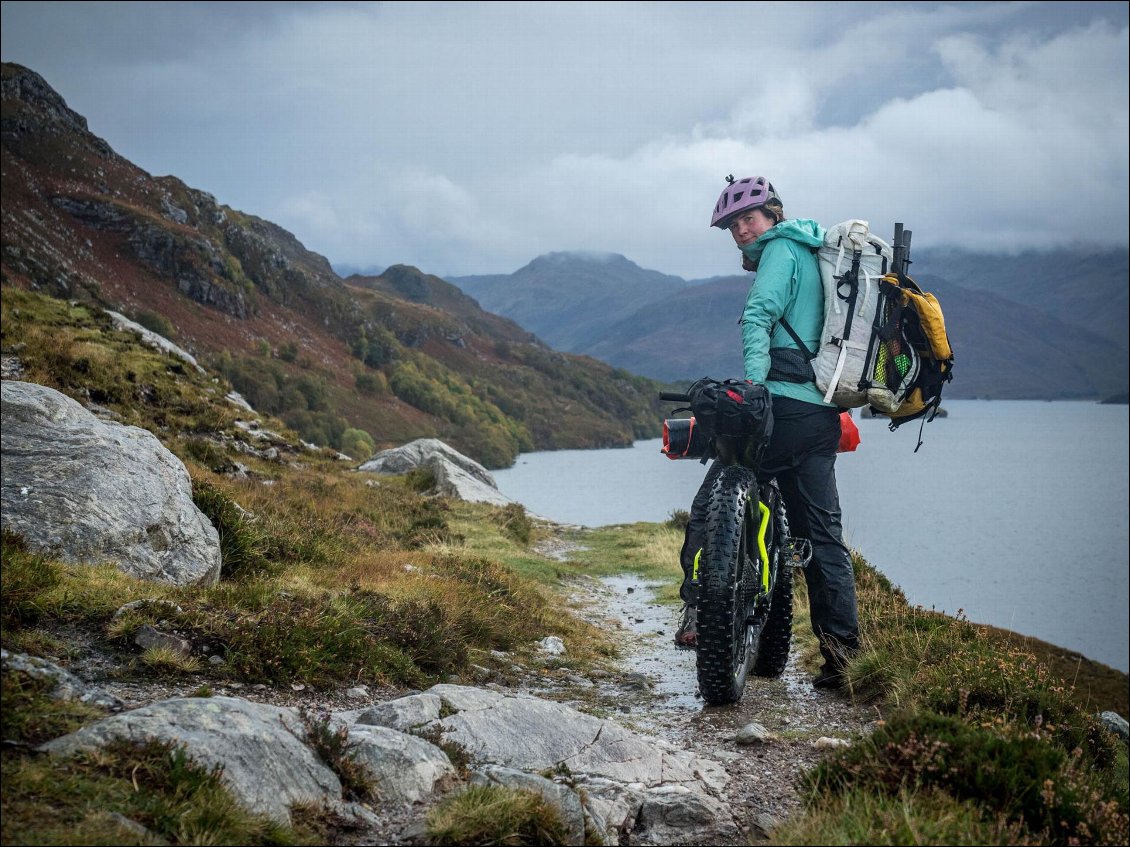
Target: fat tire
column 777, row 633
column 724, row 649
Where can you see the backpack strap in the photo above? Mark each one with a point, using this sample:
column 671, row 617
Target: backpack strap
column 787, row 327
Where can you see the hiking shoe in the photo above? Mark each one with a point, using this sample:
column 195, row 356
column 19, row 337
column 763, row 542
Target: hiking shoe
column 830, row 678
column 686, row 637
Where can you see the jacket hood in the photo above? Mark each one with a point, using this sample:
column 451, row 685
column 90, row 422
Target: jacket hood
column 802, row 230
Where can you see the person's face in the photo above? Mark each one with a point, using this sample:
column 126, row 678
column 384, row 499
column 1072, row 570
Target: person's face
column 750, row 226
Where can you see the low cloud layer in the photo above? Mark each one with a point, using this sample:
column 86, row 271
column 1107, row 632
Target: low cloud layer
column 468, row 138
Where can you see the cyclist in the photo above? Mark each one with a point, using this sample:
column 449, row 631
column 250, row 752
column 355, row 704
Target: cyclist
column 806, row 430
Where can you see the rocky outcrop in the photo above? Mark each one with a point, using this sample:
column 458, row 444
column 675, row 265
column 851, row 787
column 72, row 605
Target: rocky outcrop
column 51, row 113
column 626, row 782
column 63, row 684
column 192, row 262
column 154, row 340
column 89, row 491
column 262, row 749
column 610, row 785
column 406, row 769
column 456, row 475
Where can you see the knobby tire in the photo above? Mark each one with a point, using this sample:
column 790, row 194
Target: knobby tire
column 777, row 633
column 728, row 584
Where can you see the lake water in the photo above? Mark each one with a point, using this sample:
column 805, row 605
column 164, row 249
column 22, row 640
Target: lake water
column 1022, row 511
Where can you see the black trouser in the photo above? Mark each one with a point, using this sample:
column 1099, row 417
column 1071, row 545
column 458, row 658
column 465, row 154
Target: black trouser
column 802, row 455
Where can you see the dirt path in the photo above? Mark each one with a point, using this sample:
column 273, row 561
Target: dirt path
column 657, row 694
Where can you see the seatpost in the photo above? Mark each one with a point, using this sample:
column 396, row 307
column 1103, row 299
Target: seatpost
column 897, row 252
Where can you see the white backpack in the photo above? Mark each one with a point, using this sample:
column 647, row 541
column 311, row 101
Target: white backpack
column 863, row 358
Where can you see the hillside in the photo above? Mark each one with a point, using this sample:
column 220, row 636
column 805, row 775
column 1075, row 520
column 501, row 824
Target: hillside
column 379, row 355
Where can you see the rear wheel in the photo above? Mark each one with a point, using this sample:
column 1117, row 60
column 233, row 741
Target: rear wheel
column 777, row 632
column 729, row 578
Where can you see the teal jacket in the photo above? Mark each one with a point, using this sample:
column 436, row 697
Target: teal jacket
column 787, row 285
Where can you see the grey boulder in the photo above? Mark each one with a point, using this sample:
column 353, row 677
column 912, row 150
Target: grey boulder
column 89, row 491
column 261, row 748
column 64, row 684
column 456, row 475
column 406, row 769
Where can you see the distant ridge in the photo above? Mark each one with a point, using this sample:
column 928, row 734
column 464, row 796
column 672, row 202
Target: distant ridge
column 569, row 299
column 1031, row 326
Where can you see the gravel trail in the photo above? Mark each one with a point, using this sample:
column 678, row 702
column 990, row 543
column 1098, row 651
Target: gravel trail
column 657, row 693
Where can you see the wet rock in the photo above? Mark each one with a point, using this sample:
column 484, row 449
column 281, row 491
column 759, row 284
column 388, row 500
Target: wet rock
column 766, row 823
column 479, row 673
column 132, row 827
column 456, row 475
column 163, row 607
column 152, row 339
column 403, row 713
column 612, row 807
column 1116, row 724
column 536, row 735
column 827, row 743
column 752, row 733
column 552, row 646
column 636, row 682
column 149, row 638
column 669, row 812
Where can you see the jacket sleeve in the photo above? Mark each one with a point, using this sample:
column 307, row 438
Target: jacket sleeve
column 768, row 298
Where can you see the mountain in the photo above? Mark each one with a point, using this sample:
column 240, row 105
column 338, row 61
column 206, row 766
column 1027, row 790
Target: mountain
column 693, row 333
column 570, row 299
column 1032, row 326
column 400, row 355
column 1084, row 287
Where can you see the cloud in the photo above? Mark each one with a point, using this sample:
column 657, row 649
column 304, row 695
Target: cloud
column 467, row 138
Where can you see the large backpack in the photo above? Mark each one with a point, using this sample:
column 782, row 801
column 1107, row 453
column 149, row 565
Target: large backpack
column 883, row 343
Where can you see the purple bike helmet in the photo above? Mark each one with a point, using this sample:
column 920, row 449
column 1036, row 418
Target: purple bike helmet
column 741, row 195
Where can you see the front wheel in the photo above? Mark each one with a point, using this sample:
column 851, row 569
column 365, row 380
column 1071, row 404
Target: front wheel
column 729, row 582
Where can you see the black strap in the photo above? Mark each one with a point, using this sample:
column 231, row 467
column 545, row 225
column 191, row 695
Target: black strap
column 796, row 338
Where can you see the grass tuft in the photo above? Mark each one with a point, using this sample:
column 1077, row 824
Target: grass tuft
column 243, row 545
column 514, row 522
column 496, row 815
column 126, row 794
column 331, row 742
column 164, row 659
column 25, row 577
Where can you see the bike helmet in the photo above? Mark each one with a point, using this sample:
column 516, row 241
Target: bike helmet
column 741, row 195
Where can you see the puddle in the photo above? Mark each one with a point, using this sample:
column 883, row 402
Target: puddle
column 650, row 649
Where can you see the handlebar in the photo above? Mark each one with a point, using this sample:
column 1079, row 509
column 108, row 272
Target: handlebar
column 674, row 398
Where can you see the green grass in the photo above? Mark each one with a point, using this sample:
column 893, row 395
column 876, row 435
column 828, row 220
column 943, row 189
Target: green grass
column 981, row 742
column 91, row 799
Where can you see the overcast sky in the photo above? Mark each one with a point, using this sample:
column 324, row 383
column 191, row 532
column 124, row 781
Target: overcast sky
column 470, row 137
